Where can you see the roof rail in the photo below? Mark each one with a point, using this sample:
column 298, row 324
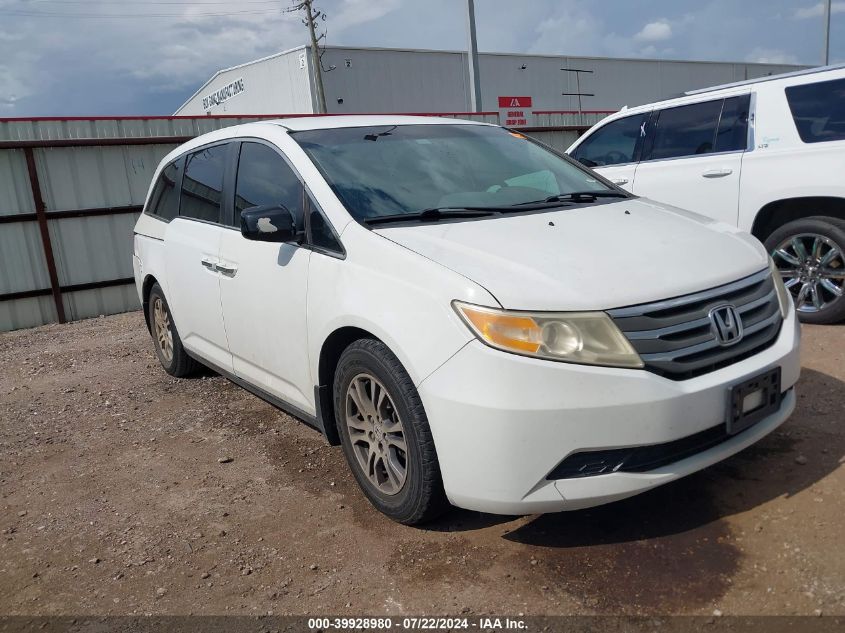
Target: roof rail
column 748, row 82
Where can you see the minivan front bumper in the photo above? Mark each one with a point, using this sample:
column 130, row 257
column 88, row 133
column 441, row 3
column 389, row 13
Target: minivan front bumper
column 502, row 423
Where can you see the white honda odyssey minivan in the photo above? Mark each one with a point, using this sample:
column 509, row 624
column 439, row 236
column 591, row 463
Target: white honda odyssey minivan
column 476, row 319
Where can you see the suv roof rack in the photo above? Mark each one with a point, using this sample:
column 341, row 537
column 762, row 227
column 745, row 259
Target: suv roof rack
column 747, row 82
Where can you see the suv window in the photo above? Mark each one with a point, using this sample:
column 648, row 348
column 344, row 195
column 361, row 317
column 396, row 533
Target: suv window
column 732, row 134
column 818, row 110
column 685, row 130
column 202, row 186
column 265, row 178
column 164, row 202
column 613, row 144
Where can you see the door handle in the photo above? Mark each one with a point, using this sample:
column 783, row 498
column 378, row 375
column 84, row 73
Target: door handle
column 717, row 173
column 620, row 181
column 207, row 263
column 229, row 271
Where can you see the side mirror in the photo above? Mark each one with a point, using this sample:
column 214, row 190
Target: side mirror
column 269, row 223
column 587, row 162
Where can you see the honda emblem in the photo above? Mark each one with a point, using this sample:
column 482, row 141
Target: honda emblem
column 726, row 324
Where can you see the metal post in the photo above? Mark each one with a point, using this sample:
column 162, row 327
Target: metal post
column 580, row 107
column 472, row 55
column 41, row 215
column 827, row 32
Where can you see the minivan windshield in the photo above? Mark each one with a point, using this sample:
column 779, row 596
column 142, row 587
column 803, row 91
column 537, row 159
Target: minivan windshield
column 407, row 169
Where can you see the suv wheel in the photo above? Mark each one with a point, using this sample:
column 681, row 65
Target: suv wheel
column 385, row 434
column 168, row 345
column 810, row 254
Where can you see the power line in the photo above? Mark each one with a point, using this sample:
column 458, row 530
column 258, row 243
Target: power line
column 45, row 14
column 185, row 3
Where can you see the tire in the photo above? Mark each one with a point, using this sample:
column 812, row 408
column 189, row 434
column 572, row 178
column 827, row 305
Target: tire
column 373, row 448
column 169, row 350
column 814, row 292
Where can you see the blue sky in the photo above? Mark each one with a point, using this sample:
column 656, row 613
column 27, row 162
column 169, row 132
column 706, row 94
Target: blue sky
column 109, row 57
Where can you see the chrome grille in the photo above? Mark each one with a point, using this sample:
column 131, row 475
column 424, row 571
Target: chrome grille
column 676, row 339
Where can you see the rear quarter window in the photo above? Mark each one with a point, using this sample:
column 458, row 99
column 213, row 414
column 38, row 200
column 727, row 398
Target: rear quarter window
column 164, row 201
column 818, row 110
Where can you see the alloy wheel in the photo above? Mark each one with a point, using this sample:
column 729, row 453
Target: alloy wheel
column 376, row 434
column 813, row 269
column 163, row 333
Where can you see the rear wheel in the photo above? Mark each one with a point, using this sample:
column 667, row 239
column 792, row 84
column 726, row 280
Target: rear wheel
column 810, row 254
column 168, row 345
column 385, row 434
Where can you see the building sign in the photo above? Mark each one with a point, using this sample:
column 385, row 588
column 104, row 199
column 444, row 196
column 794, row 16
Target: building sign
column 224, row 94
column 514, row 110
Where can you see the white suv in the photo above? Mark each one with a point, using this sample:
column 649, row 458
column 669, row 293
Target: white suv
column 766, row 155
column 472, row 316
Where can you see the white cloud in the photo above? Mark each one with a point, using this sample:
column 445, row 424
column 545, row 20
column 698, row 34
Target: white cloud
column 569, row 25
column 770, row 56
column 158, row 54
column 352, row 12
column 655, row 32
column 817, row 10
column 573, row 29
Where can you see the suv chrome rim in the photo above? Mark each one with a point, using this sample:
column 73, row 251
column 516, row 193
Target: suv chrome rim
column 813, row 269
column 376, row 434
column 161, row 323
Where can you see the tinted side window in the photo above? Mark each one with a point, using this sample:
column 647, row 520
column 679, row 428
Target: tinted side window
column 613, row 144
column 686, row 130
column 165, row 202
column 264, row 178
column 202, row 186
column 733, row 125
column 818, row 110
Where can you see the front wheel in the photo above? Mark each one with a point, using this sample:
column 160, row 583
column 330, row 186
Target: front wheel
column 810, row 254
column 385, row 434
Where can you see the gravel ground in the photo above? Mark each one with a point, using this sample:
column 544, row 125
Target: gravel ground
column 114, row 500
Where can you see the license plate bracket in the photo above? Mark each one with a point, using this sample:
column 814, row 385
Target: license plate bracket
column 752, row 400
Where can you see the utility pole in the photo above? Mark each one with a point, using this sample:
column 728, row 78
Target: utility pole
column 311, row 16
column 472, row 56
column 827, row 32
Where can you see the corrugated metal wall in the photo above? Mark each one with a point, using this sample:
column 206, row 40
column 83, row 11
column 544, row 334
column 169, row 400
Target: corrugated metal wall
column 92, row 192
column 66, row 254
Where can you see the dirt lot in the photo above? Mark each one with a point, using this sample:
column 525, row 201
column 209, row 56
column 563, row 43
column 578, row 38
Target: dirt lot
column 113, row 501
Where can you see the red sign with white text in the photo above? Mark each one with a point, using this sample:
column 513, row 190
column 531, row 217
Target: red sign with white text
column 512, row 110
column 514, row 102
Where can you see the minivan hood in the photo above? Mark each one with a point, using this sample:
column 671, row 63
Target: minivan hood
column 590, row 257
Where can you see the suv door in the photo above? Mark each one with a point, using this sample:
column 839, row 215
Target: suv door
column 613, row 149
column 692, row 157
column 263, row 285
column 192, row 243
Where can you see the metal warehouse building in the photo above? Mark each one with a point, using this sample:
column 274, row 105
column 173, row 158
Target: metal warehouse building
column 537, row 89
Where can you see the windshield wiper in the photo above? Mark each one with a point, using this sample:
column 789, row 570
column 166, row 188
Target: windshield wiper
column 586, row 196
column 436, row 213
column 576, row 197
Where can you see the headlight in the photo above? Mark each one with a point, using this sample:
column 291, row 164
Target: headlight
column 784, row 298
column 590, row 338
